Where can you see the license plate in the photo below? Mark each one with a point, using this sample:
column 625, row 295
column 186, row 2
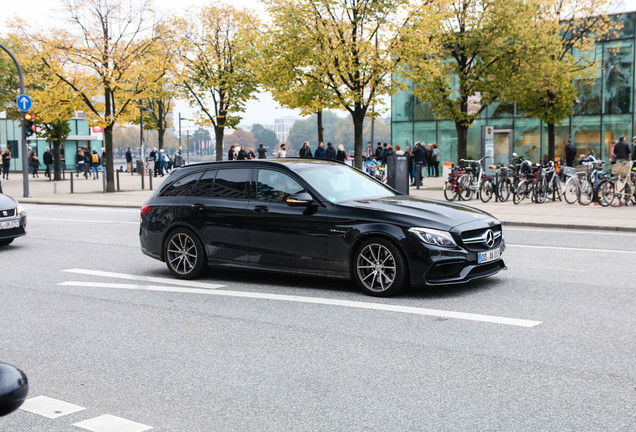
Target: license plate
column 491, row 255
column 9, row 224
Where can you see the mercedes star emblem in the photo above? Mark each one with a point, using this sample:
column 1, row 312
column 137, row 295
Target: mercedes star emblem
column 490, row 238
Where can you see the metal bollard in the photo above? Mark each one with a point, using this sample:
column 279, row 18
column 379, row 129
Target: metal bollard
column 71, row 183
column 418, row 175
column 150, row 177
column 142, row 179
column 104, row 182
column 117, row 180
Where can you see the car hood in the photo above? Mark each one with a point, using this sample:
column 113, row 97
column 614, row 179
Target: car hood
column 7, row 203
column 422, row 212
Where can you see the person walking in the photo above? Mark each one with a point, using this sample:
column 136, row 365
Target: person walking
column 155, row 157
column 129, row 161
column 305, row 151
column 570, row 153
column 6, row 163
column 429, row 160
column 34, row 163
column 341, row 154
column 47, row 158
column 622, row 151
column 163, row 163
column 419, row 161
column 95, row 164
column 409, row 155
column 436, row 158
column 79, row 162
column 87, row 162
column 262, row 151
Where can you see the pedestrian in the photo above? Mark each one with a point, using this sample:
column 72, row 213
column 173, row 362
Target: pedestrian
column 102, row 161
column 341, row 154
column 320, row 152
column 436, row 159
column 429, row 160
column 34, row 163
column 330, row 152
column 419, row 161
column 570, row 153
column 250, row 153
column 379, row 153
column 163, row 163
column 155, row 156
column 242, row 154
column 621, row 151
column 129, row 161
column 305, row 151
column 388, row 152
column 409, row 155
column 6, row 163
column 370, row 153
column 398, row 150
column 47, row 158
column 262, row 151
column 87, row 162
column 282, row 152
column 79, row 162
column 95, row 164
column 230, row 153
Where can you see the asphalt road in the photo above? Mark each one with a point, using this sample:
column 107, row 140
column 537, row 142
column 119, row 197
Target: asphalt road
column 549, row 344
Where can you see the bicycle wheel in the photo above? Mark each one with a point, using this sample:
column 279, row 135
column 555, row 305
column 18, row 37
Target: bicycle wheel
column 520, row 192
column 606, row 193
column 622, row 192
column 586, row 191
column 464, row 184
column 571, row 190
column 505, row 188
column 540, row 190
column 486, row 190
column 450, row 191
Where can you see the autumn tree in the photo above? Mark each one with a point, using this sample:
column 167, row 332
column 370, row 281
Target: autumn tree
column 99, row 56
column 560, row 54
column 456, row 50
column 215, row 71
column 265, row 136
column 346, row 47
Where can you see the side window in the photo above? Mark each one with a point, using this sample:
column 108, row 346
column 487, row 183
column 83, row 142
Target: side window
column 231, row 183
column 275, row 186
column 204, row 186
column 181, row 187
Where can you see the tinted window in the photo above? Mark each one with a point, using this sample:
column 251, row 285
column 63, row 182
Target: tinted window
column 181, row 187
column 275, row 186
column 231, row 183
column 204, row 185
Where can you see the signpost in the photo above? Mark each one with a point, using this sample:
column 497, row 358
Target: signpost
column 24, row 103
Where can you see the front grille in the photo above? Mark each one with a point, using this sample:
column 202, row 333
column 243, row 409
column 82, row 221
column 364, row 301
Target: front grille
column 477, row 240
column 7, row 213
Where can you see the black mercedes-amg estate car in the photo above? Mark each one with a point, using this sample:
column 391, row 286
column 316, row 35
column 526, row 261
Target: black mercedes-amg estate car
column 315, row 217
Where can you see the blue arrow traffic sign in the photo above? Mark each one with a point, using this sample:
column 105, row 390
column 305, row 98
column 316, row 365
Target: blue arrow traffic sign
column 24, row 103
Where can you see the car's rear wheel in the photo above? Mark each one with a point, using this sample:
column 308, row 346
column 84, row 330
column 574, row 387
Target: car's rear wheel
column 184, row 254
column 5, row 242
column 379, row 268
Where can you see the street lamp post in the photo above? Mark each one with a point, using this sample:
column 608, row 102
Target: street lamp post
column 141, row 131
column 180, row 119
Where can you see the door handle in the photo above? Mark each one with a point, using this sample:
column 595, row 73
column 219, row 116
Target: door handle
column 198, row 207
column 260, row 209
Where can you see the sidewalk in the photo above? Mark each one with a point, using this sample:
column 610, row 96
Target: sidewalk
column 550, row 214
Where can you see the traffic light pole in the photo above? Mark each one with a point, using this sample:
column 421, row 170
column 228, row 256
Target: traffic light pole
column 25, row 165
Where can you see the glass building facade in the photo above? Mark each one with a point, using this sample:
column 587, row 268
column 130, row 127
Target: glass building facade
column 605, row 110
column 80, row 136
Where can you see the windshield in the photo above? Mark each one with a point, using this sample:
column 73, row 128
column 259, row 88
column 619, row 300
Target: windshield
column 340, row 183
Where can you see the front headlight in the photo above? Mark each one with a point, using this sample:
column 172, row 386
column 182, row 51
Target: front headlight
column 20, row 210
column 434, row 237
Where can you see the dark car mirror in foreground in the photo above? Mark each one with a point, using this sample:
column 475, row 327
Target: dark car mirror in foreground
column 301, row 199
column 14, row 388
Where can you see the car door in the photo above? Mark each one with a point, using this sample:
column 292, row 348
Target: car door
column 284, row 237
column 218, row 204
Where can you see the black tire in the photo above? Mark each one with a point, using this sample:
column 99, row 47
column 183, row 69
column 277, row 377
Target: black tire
column 6, row 242
column 450, row 191
column 540, row 191
column 379, row 257
column 184, row 254
column 486, row 190
column 520, row 192
column 505, row 188
column 586, row 191
column 464, row 184
column 605, row 193
column 571, row 190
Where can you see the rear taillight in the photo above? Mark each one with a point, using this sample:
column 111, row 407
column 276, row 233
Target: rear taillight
column 145, row 209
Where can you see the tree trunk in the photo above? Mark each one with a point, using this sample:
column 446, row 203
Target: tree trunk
column 462, row 140
column 108, row 145
column 321, row 130
column 551, row 143
column 57, row 162
column 161, row 129
column 218, row 135
column 358, row 124
column 160, row 134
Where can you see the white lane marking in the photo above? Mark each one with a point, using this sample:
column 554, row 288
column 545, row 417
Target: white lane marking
column 144, row 278
column 82, row 221
column 109, row 423
column 49, row 407
column 570, row 249
column 573, row 231
column 321, row 301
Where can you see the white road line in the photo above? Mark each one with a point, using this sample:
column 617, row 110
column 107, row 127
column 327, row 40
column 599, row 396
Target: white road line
column 572, row 231
column 321, row 301
column 109, row 423
column 570, row 249
column 144, row 278
column 82, row 221
column 49, row 407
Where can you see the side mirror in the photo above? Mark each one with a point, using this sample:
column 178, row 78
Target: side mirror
column 14, row 388
column 301, row 199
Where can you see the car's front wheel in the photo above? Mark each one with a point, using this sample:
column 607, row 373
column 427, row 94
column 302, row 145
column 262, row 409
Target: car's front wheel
column 184, row 254
column 379, row 268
